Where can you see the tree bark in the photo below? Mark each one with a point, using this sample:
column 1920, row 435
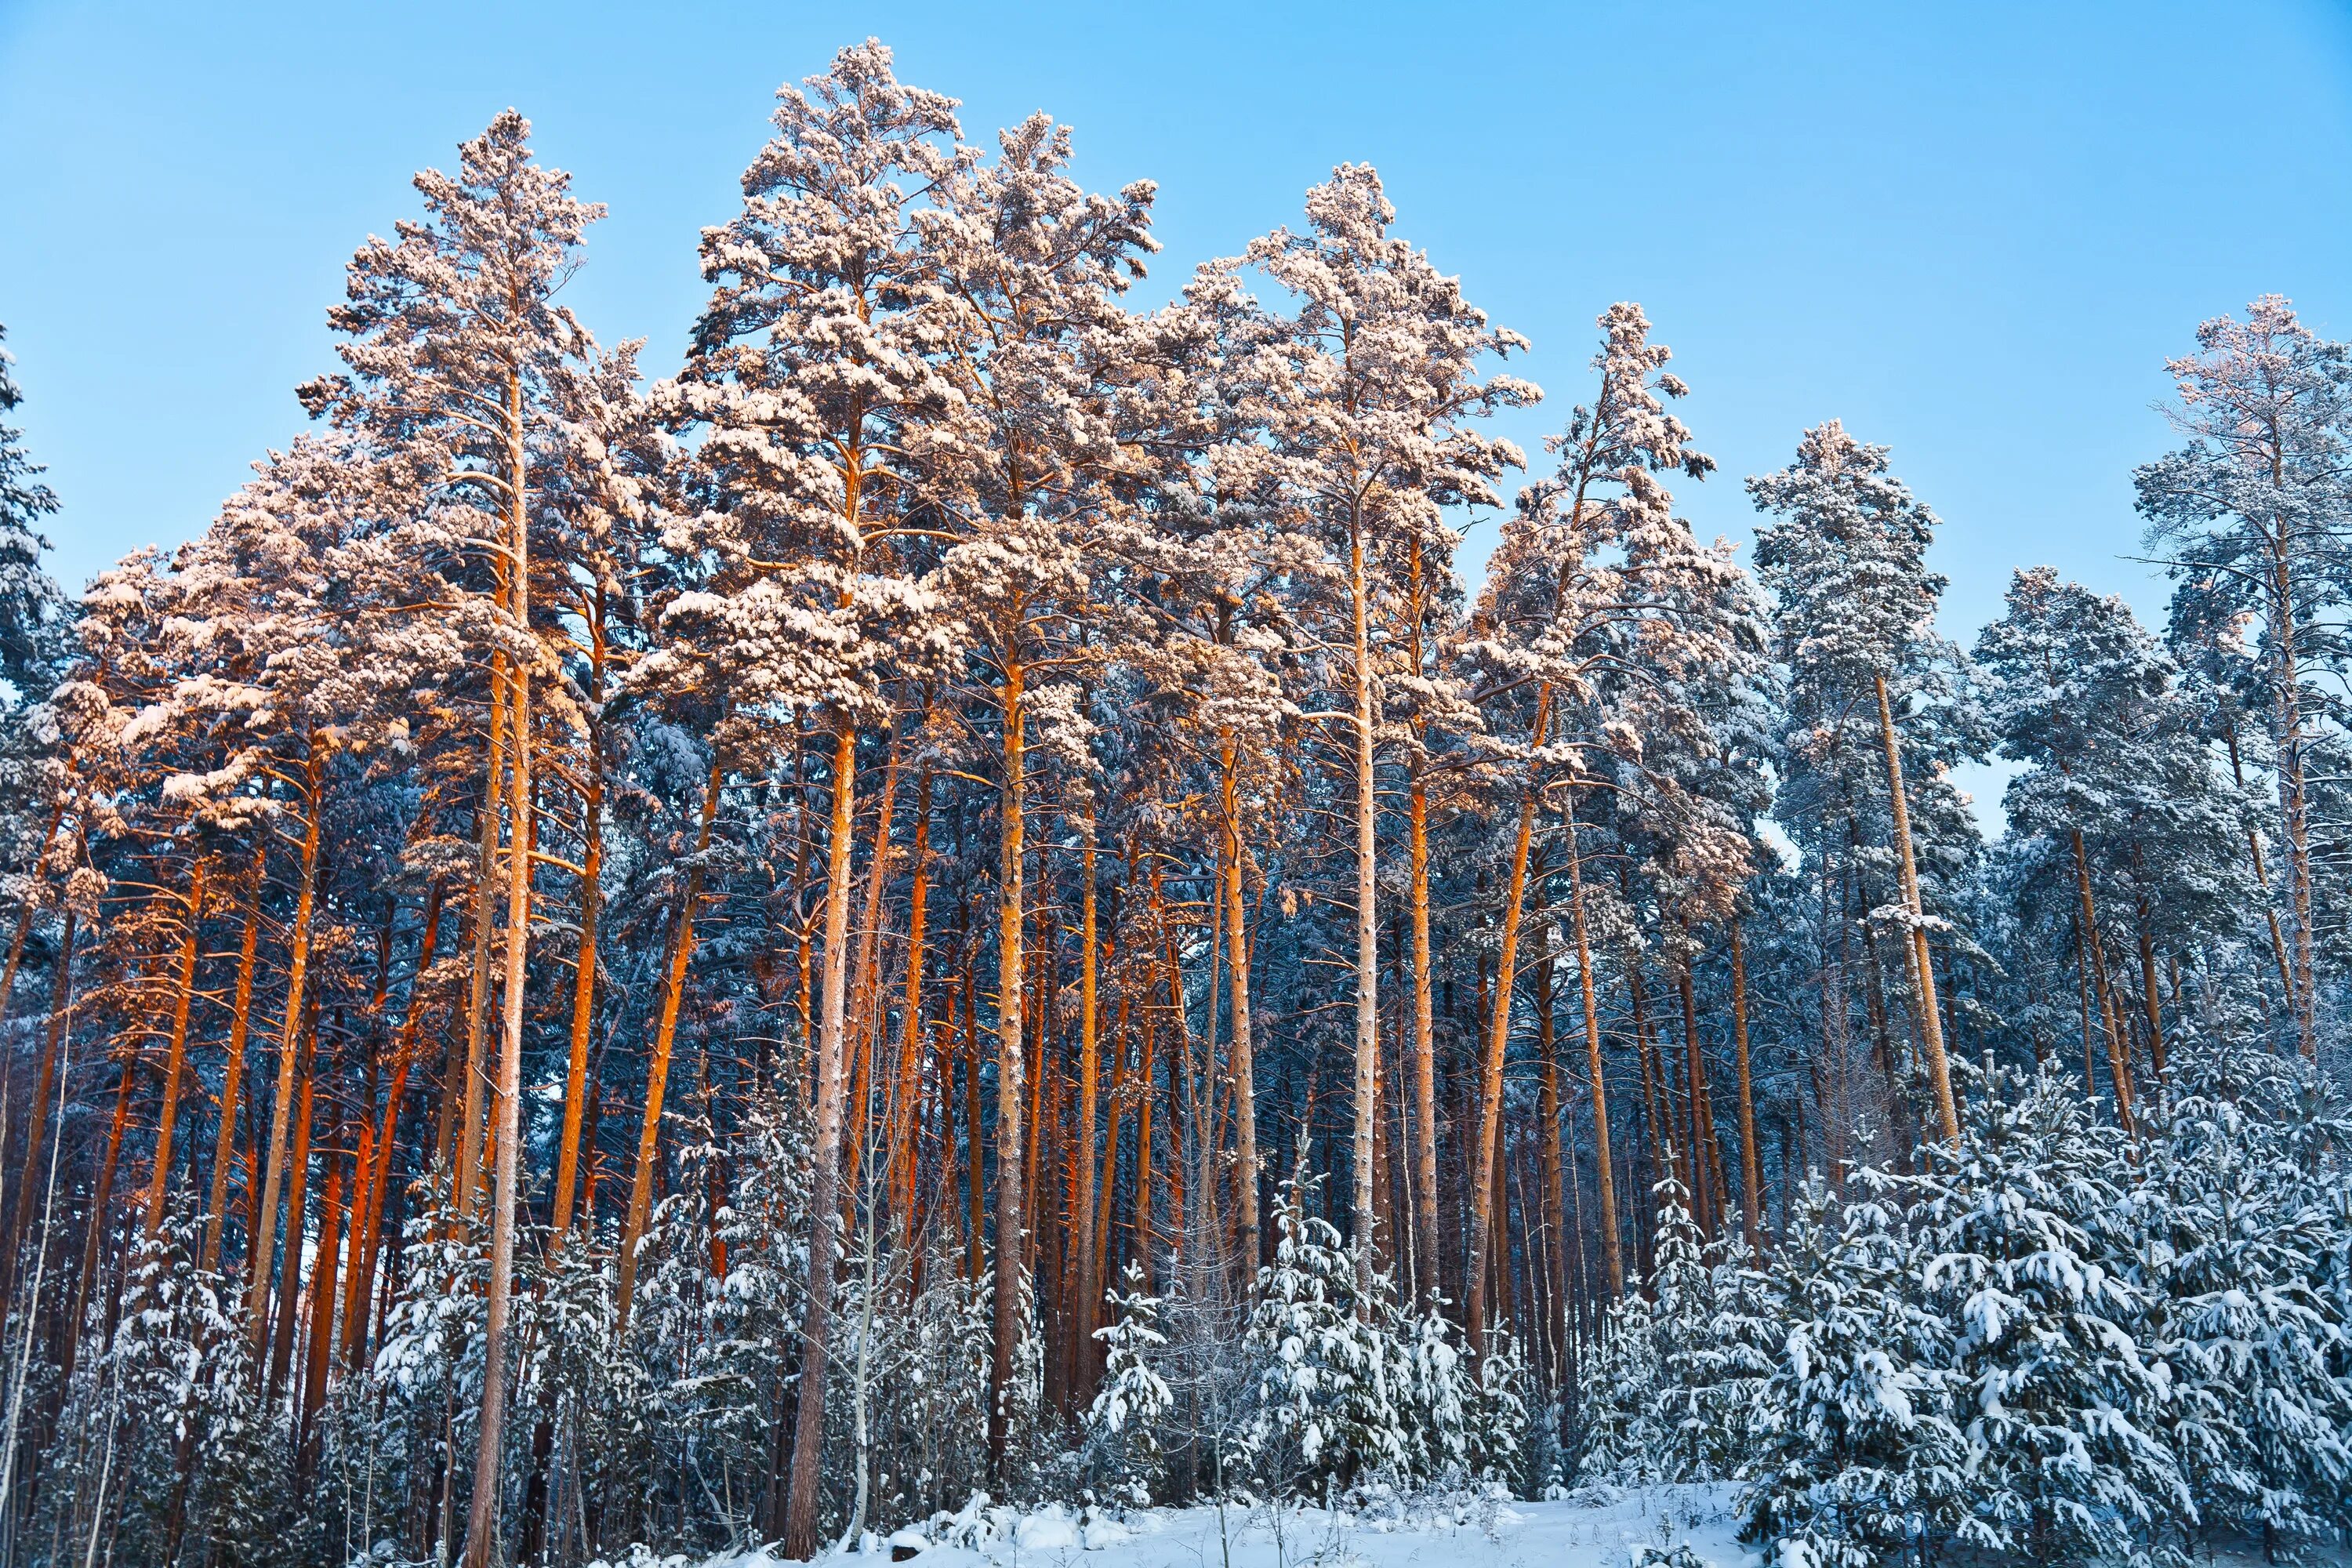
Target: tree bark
column 482, row 1521
column 1931, row 1025
column 1011, row 1210
column 1368, row 1041
column 1751, row 1176
column 640, row 1181
column 264, row 1219
column 583, row 978
column 1604, row 1178
column 800, row 1500
column 1499, row 1035
column 465, row 1172
column 240, row 1024
column 159, row 1184
column 1243, row 1048
column 1081, row 1153
column 2094, row 961
column 908, row 1159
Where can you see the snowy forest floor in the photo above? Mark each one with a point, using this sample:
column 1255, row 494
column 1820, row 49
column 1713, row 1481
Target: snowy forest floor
column 1594, row 1528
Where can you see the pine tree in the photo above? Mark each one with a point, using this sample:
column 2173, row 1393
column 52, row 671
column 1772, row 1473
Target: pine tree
column 1858, row 1460
column 1134, row 1398
column 2246, row 512
column 1368, row 397
column 811, row 362
column 1330, row 1396
column 32, row 609
column 2117, row 783
column 2056, row 1397
column 1856, row 624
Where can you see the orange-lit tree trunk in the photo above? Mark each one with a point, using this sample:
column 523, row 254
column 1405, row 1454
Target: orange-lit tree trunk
column 281, row 1343
column 1367, row 949
column 101, row 1200
column 641, row 1179
column 1082, row 1151
column 1604, row 1175
column 1499, row 1035
column 466, row 1172
column 1011, row 1211
column 583, row 978
column 2095, row 962
column 506, row 1151
column 159, row 1184
column 800, row 1500
column 322, row 1321
column 264, row 1219
column 1551, row 1165
column 1751, row 1174
column 367, row 1222
column 1424, row 1178
column 1931, row 1023
column 240, row 1024
column 1242, row 1050
column 907, row 1161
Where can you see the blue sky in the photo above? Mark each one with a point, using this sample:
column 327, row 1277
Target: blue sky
column 1970, row 231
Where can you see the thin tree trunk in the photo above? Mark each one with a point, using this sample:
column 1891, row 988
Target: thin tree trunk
column 801, row 1499
column 43, row 1082
column 159, row 1184
column 322, row 1321
column 583, row 980
column 1082, row 1152
column 905, row 1176
column 2293, row 798
column 1931, row 1026
column 265, row 1219
column 2148, row 994
column 101, row 1199
column 281, row 1341
column 1550, row 1171
column 465, row 1174
column 640, row 1181
column 975, row 1183
column 1242, row 1052
column 1604, row 1178
column 482, row 1519
column 1367, row 1042
column 367, row 1226
column 1751, row 1170
column 1498, row 1036
column 1010, row 1203
column 2119, row 1058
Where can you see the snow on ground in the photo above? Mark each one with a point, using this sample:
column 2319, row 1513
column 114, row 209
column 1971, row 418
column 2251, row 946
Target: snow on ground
column 1598, row 1528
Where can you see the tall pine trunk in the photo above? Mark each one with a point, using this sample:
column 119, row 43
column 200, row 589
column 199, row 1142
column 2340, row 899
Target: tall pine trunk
column 264, row 1219
column 1751, row 1176
column 583, row 978
column 641, row 1179
column 1604, row 1163
column 1483, row 1197
column 801, row 1497
column 159, row 1184
column 240, row 1025
column 482, row 1521
column 1011, row 1211
column 1368, row 1040
column 1241, row 1051
column 1931, row 1024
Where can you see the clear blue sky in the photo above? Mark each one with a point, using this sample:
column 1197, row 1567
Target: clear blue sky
column 1973, row 231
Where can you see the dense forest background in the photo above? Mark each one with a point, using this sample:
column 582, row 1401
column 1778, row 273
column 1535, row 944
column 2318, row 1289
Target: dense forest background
column 962, row 896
